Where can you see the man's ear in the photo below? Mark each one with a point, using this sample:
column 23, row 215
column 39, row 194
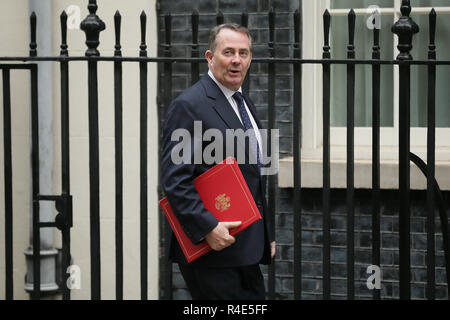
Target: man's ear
column 209, row 56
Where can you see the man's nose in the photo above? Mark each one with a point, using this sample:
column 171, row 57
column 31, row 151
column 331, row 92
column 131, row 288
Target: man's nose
column 236, row 58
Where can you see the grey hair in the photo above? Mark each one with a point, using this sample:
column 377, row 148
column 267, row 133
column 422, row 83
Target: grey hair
column 232, row 26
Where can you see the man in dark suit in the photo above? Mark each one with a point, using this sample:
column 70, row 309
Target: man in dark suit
column 231, row 270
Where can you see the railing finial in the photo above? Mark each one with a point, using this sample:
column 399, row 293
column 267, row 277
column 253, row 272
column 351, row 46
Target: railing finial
column 432, row 45
column 351, row 34
column 405, row 28
column 33, row 44
column 92, row 6
column 143, row 46
column 219, row 18
column 92, row 25
column 326, row 30
column 63, row 20
column 117, row 23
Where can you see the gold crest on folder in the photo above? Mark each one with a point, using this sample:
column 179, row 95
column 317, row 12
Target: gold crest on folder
column 223, row 202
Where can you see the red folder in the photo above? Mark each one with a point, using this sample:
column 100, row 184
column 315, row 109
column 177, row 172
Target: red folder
column 226, row 195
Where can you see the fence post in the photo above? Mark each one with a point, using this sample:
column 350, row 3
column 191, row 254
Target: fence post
column 351, row 158
column 404, row 28
column 195, row 67
column 167, row 277
column 143, row 159
column 297, row 129
column 326, row 80
column 376, row 80
column 118, row 145
column 271, row 125
column 431, row 142
column 92, row 26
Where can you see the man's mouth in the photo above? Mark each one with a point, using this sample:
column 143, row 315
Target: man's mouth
column 235, row 72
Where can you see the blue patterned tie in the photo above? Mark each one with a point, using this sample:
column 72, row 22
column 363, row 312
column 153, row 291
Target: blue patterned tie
column 247, row 125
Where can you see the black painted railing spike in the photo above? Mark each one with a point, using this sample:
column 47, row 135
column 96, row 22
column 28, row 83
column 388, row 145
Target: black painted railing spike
column 33, row 44
column 195, row 23
column 376, row 44
column 220, row 18
column 296, row 26
column 271, row 33
column 63, row 20
column 92, row 25
column 271, row 24
column 168, row 28
column 244, row 18
column 143, row 46
column 351, row 28
column 376, row 38
column 117, row 25
column 432, row 46
column 326, row 31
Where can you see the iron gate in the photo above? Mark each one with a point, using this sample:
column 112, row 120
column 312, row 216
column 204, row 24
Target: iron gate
column 92, row 26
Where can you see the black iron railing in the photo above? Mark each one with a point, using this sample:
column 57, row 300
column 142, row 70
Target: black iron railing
column 92, row 26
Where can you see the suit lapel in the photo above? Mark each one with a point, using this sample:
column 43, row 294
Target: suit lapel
column 221, row 104
column 225, row 110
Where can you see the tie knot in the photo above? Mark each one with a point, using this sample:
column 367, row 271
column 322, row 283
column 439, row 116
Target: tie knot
column 238, row 97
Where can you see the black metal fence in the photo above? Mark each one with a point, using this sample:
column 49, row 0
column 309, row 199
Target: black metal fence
column 92, row 25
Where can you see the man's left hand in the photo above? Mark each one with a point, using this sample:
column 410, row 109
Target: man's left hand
column 272, row 249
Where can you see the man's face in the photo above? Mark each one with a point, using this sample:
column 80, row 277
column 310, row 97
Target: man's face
column 231, row 59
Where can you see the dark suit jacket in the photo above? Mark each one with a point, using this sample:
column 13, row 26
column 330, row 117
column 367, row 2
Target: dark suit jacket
column 205, row 102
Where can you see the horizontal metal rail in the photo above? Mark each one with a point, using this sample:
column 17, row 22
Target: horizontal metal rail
column 254, row 60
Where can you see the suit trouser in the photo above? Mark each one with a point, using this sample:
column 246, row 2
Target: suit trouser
column 233, row 283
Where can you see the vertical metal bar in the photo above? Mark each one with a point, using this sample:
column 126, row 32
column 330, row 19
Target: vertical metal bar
column 65, row 151
column 404, row 28
column 376, row 258
column 326, row 161
column 404, row 182
column 431, row 138
column 143, row 159
column 92, row 26
column 35, row 189
column 271, row 125
column 195, row 71
column 167, row 99
column 246, row 83
column 350, row 159
column 94, row 180
column 35, row 165
column 118, row 114
column 219, row 18
column 8, row 184
column 297, row 161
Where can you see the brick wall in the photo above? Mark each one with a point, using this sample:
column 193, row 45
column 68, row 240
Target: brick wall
column 312, row 198
column 312, row 245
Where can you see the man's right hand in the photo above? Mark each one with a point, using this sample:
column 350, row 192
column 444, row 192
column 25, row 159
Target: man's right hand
column 219, row 238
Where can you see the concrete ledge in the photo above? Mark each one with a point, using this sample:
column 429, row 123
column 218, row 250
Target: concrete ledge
column 311, row 174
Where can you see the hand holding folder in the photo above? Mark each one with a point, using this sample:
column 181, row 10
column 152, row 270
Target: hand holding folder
column 226, row 195
column 219, row 238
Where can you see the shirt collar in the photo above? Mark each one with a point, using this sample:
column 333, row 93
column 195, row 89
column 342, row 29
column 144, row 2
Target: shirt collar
column 227, row 92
